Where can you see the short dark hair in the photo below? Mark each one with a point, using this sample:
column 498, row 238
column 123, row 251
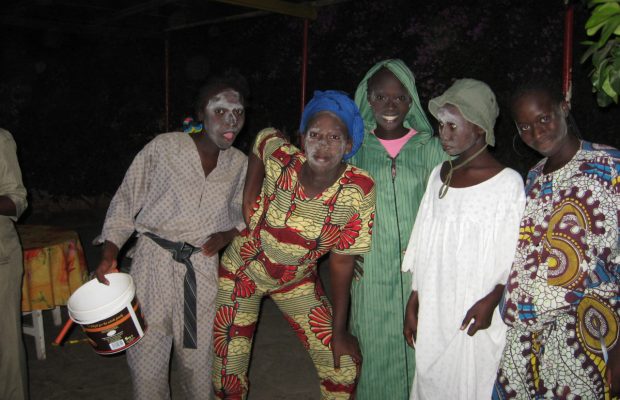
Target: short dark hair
column 548, row 87
column 230, row 79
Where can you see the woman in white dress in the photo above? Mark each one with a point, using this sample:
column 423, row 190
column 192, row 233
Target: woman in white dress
column 460, row 252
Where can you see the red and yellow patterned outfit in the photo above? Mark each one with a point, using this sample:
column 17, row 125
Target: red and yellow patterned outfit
column 277, row 257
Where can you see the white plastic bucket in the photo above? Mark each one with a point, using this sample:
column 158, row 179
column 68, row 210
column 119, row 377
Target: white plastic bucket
column 110, row 316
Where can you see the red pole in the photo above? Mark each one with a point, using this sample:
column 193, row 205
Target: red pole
column 304, row 66
column 167, row 81
column 567, row 64
column 63, row 332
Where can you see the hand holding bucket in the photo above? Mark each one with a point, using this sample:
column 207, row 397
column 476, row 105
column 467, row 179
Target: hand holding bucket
column 63, row 332
column 108, row 263
column 109, row 315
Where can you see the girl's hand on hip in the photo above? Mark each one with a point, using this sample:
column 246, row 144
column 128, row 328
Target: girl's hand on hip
column 345, row 344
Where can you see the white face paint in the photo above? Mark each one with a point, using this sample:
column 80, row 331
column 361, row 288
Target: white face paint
column 457, row 135
column 326, row 141
column 444, row 116
column 317, row 144
column 224, row 117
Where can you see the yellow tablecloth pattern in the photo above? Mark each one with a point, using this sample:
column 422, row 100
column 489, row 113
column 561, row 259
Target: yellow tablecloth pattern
column 54, row 266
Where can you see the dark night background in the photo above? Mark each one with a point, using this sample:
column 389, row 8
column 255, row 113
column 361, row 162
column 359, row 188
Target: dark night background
column 81, row 105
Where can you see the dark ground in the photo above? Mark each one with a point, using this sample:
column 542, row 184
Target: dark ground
column 280, row 367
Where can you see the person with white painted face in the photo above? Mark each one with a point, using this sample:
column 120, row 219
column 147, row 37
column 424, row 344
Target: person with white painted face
column 183, row 195
column 460, row 252
column 299, row 206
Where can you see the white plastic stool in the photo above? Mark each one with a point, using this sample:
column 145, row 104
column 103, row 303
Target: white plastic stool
column 37, row 331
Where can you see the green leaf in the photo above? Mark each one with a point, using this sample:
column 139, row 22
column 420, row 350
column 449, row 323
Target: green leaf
column 603, row 10
column 598, row 75
column 591, row 3
column 609, row 91
column 604, row 82
column 609, row 28
column 603, row 67
column 614, row 80
column 588, row 53
column 604, row 53
column 600, row 15
column 595, row 85
column 616, row 60
column 602, row 99
column 597, row 57
column 615, row 50
column 601, row 54
column 592, row 30
column 594, row 79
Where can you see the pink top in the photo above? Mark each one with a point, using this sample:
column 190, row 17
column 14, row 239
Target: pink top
column 393, row 146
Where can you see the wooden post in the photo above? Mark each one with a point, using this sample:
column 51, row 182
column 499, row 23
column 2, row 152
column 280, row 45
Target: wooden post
column 304, row 66
column 167, row 81
column 567, row 61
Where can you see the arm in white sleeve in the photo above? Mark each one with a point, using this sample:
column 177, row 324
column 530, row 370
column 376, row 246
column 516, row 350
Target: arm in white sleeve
column 129, row 199
column 411, row 260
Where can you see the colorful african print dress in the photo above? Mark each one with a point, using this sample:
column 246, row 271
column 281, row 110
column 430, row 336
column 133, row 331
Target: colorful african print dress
column 277, row 256
column 561, row 300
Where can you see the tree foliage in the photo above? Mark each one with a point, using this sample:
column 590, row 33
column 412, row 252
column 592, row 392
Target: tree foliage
column 604, row 52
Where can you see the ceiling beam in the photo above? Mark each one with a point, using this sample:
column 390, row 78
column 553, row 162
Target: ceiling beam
column 132, row 10
column 277, row 6
column 236, row 17
column 80, row 29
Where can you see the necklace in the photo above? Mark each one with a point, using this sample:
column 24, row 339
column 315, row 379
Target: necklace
column 446, row 184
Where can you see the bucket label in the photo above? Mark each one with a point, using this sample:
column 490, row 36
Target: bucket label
column 117, row 332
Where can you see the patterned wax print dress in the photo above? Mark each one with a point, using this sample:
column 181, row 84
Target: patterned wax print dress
column 277, row 257
column 561, row 300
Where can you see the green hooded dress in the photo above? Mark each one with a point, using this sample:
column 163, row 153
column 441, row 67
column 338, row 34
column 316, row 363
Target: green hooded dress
column 379, row 298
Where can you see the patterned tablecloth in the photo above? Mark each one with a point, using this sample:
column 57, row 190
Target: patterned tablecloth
column 54, row 266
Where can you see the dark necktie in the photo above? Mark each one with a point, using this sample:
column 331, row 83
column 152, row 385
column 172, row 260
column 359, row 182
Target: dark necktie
column 181, row 252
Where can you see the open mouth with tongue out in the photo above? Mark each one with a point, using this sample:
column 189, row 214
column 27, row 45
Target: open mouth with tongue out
column 230, row 136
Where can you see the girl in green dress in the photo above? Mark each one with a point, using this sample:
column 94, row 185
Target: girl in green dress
column 399, row 151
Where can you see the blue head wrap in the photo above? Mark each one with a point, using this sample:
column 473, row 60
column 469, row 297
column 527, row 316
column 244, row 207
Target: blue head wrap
column 344, row 108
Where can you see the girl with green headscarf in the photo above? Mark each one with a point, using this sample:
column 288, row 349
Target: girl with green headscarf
column 460, row 252
column 399, row 151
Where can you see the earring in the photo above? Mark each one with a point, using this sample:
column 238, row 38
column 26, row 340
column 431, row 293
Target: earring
column 514, row 145
column 572, row 126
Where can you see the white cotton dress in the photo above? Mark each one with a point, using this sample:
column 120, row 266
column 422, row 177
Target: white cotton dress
column 461, row 247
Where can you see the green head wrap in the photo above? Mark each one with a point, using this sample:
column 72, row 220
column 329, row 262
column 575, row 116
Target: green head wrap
column 475, row 101
column 415, row 118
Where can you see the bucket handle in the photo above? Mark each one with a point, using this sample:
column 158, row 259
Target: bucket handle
column 63, row 332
